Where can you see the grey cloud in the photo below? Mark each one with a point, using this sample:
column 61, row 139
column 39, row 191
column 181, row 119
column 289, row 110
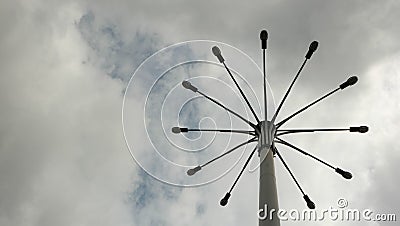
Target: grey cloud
column 146, row 190
column 63, row 160
column 68, row 112
column 115, row 55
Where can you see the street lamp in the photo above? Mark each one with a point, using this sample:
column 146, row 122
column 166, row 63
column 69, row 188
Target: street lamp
column 268, row 133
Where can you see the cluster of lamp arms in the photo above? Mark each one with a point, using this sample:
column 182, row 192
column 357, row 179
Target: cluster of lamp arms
column 258, row 130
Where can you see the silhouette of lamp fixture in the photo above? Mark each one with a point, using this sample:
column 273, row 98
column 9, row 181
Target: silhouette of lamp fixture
column 268, row 133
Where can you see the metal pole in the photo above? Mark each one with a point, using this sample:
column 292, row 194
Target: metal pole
column 268, row 197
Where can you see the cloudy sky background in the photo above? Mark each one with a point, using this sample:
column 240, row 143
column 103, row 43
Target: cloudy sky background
column 66, row 64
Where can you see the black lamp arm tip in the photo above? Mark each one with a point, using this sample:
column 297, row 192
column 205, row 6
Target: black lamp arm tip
column 225, row 199
column 310, row 203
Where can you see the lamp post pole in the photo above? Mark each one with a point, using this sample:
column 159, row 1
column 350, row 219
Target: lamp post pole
column 268, row 197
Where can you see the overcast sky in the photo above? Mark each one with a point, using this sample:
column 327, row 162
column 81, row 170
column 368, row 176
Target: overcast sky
column 65, row 66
